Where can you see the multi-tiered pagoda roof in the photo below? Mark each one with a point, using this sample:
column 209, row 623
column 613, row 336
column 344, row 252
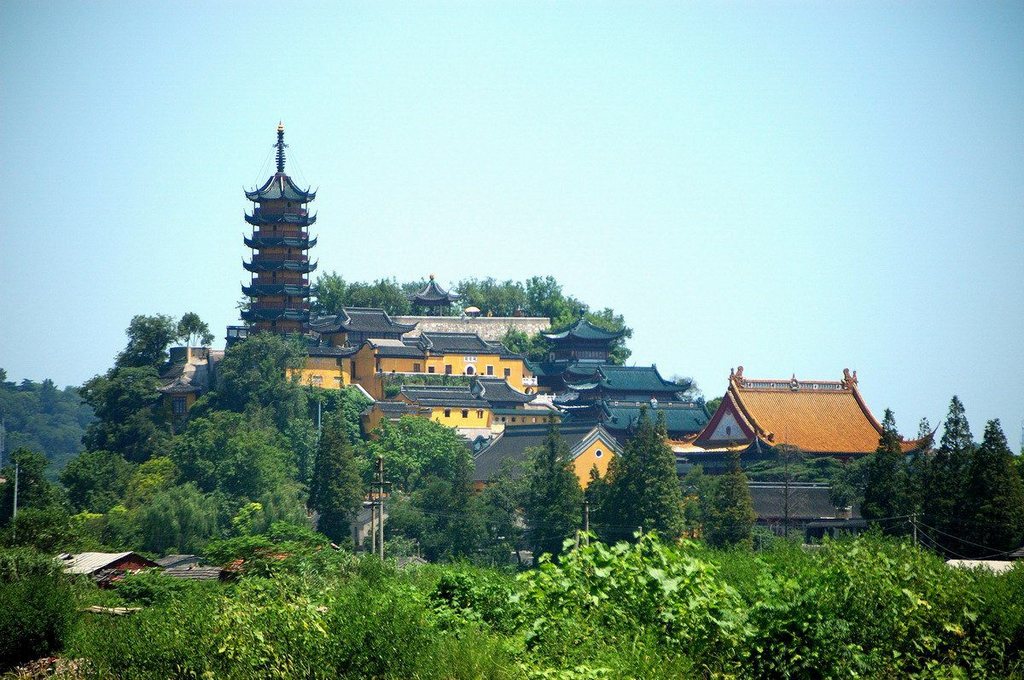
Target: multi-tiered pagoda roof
column 280, row 241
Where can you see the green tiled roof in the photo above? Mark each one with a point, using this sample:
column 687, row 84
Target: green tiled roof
column 642, row 380
column 584, row 330
column 280, row 187
column 681, row 418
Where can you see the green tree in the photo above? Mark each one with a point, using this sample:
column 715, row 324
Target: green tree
column 886, row 492
column 125, row 401
column 96, row 480
column 414, row 449
column 995, row 496
column 728, row 511
column 190, row 328
column 253, row 374
column 179, row 519
column 502, row 500
column 554, row 498
column 234, row 453
column 644, row 488
column 34, row 489
column 336, row 489
column 948, row 475
column 148, row 340
column 329, row 293
column 533, row 347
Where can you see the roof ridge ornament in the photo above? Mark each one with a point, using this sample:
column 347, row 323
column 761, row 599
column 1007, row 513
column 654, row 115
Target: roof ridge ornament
column 280, row 146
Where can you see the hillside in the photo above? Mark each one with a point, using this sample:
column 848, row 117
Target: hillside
column 44, row 418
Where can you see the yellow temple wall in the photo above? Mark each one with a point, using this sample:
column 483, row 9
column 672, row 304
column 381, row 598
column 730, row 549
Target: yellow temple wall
column 333, row 373
column 588, row 458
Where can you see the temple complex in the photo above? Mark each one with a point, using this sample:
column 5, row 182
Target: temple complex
column 280, row 242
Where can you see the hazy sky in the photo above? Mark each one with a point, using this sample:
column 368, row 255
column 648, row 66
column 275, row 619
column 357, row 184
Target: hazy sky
column 794, row 187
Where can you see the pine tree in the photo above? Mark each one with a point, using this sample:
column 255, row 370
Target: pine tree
column 728, row 510
column 644, row 489
column 995, row 495
column 554, row 498
column 918, row 467
column 887, row 492
column 336, row 489
column 946, row 482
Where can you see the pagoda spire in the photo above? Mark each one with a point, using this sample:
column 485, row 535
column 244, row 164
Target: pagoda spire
column 280, row 146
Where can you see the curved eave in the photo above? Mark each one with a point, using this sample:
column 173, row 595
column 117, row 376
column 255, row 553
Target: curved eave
column 259, row 219
column 275, row 289
column 279, row 265
column 279, row 242
column 275, row 315
column 280, row 187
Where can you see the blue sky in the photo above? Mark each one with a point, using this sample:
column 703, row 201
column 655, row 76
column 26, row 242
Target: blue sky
column 795, row 187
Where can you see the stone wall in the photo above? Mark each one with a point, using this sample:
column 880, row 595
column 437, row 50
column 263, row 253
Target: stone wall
column 487, row 327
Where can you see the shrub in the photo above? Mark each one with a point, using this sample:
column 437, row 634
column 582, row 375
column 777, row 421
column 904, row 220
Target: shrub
column 37, row 606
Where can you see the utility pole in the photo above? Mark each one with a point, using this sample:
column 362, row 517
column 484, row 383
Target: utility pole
column 14, row 515
column 373, row 523
column 913, row 523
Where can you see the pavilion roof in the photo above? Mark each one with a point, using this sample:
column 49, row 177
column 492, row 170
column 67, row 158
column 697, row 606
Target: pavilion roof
column 433, row 294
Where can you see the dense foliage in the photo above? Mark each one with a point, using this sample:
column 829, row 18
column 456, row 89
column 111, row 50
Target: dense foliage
column 41, row 417
column 870, row 607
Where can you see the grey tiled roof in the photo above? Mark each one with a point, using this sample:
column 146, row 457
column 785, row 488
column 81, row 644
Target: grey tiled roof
column 360, row 320
column 498, row 391
column 512, row 444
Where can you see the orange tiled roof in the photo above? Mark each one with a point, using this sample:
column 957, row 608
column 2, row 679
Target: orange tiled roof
column 814, row 415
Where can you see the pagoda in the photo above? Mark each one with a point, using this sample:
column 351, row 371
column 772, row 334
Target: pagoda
column 280, row 242
column 433, row 299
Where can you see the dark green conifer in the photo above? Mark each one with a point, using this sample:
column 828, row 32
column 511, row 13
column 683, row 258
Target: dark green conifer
column 644, row 489
column 945, row 486
column 336, row 489
column 554, row 498
column 728, row 510
column 887, row 492
column 995, row 513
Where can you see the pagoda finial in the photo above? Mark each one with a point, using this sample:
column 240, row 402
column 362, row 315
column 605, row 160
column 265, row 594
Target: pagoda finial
column 431, row 277
column 280, row 146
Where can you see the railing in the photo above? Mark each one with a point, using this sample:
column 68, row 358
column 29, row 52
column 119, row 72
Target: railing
column 529, row 381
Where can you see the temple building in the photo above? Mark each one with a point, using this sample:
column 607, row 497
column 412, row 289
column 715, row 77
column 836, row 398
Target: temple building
column 615, row 396
column 573, row 354
column 470, row 409
column 187, row 375
column 590, row 446
column 818, row 417
column 433, row 300
column 280, row 243
column 382, row 361
column 355, row 325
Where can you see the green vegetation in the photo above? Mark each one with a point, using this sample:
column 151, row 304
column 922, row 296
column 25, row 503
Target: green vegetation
column 43, row 418
column 871, row 607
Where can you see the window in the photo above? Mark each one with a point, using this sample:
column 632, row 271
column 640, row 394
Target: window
column 430, row 369
column 470, row 370
column 447, row 369
column 490, row 370
column 598, row 453
column 508, row 372
column 513, row 419
column 178, row 406
column 728, row 429
column 416, row 367
column 447, row 413
column 316, row 380
column 479, row 413
column 465, row 413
